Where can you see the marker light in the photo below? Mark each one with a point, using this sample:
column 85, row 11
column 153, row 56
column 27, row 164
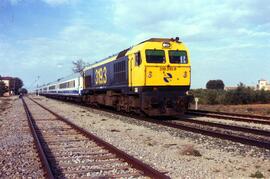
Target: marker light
column 185, row 74
column 150, row 74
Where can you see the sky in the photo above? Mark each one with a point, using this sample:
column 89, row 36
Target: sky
column 228, row 40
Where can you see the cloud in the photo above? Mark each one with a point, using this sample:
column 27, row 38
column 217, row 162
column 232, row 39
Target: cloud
column 59, row 2
column 220, row 35
column 193, row 20
column 49, row 2
column 51, row 57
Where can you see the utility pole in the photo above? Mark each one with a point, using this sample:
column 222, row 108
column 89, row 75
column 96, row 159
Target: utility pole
column 37, row 85
column 196, row 103
column 14, row 86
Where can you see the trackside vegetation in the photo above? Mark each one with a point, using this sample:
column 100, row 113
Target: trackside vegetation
column 241, row 95
column 3, row 88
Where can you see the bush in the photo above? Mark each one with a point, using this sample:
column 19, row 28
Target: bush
column 241, row 95
column 23, row 91
column 3, row 88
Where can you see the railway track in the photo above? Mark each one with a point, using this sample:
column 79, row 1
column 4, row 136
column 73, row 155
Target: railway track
column 244, row 135
column 239, row 134
column 231, row 116
column 68, row 151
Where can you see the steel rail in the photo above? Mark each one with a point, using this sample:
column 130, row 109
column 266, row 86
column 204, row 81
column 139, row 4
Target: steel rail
column 45, row 163
column 137, row 164
column 213, row 133
column 233, row 114
column 229, row 117
column 229, row 127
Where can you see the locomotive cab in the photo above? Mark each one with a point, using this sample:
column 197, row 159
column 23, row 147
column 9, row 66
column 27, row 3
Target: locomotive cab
column 160, row 74
column 151, row 77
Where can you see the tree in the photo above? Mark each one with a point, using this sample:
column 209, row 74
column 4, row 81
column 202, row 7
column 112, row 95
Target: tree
column 15, row 85
column 3, row 88
column 215, row 84
column 23, row 91
column 78, row 65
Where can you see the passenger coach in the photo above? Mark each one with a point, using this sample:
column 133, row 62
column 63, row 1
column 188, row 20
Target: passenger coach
column 69, row 87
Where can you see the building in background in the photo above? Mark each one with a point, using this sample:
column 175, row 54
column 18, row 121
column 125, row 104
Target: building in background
column 227, row 88
column 7, row 81
column 263, row 84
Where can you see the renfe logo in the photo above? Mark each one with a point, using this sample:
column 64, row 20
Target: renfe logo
column 167, row 77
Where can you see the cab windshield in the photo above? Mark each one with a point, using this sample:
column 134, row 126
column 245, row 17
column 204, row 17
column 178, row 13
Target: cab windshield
column 177, row 56
column 155, row 56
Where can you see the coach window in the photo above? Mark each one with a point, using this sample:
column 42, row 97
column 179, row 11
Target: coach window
column 52, row 87
column 138, row 59
column 155, row 56
column 71, row 84
column 178, row 56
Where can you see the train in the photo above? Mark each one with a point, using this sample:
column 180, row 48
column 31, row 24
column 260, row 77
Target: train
column 151, row 78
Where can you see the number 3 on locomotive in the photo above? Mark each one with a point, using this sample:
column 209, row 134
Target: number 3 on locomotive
column 101, row 76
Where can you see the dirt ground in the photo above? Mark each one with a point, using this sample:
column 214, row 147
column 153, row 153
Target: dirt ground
column 4, row 104
column 258, row 109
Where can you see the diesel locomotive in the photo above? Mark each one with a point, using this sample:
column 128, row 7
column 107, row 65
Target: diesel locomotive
column 152, row 77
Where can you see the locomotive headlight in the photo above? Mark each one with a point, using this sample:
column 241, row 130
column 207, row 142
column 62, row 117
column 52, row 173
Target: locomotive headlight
column 150, row 74
column 166, row 44
column 185, row 74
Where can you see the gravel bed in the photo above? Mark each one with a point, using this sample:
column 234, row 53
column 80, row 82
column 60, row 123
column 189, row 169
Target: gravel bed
column 57, row 133
column 18, row 155
column 183, row 154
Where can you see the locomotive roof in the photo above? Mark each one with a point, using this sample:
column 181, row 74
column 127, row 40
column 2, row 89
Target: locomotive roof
column 123, row 52
column 161, row 40
column 112, row 57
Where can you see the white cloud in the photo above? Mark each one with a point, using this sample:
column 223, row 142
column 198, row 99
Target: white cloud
column 216, row 32
column 252, row 33
column 194, row 20
column 220, row 35
column 59, row 2
column 49, row 2
column 51, row 57
column 88, row 42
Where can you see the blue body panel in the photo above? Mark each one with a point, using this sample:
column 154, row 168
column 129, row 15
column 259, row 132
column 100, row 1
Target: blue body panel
column 111, row 75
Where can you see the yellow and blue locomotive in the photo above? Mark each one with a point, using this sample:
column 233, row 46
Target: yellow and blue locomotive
column 152, row 77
